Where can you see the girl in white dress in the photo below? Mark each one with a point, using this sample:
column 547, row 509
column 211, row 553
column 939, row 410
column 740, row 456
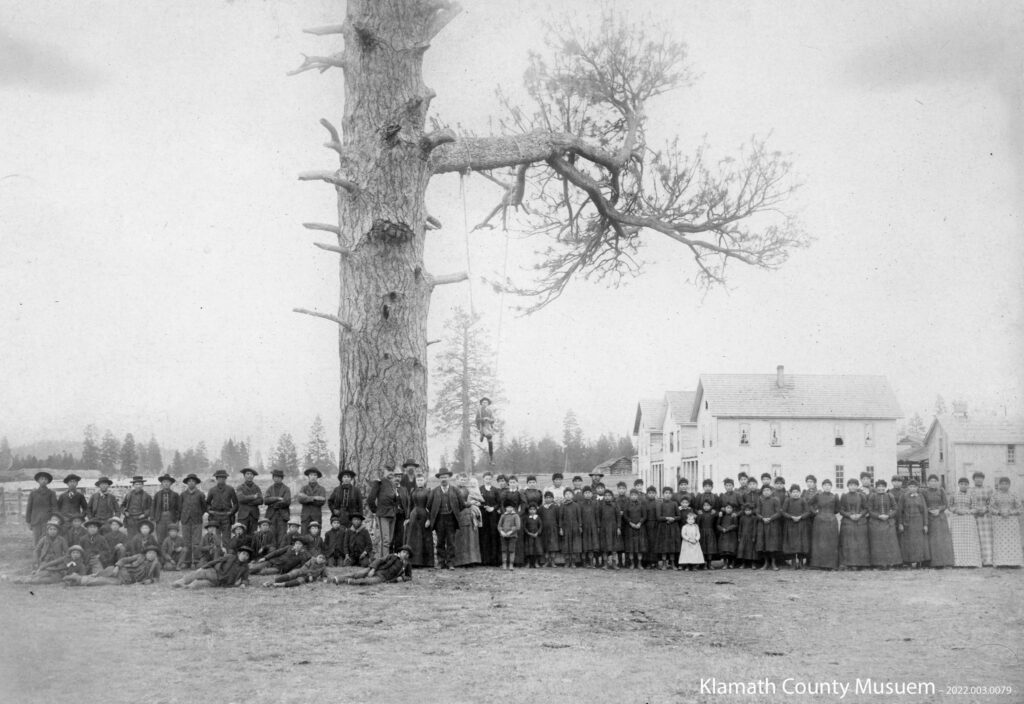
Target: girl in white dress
column 690, row 553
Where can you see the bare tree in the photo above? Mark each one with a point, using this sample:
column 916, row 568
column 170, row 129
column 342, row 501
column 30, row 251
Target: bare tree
column 576, row 165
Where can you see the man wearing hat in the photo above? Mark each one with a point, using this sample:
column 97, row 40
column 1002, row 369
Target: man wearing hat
column 166, row 507
column 388, row 500
column 72, row 502
column 443, row 507
column 191, row 507
column 278, row 499
column 227, row 571
column 103, row 505
column 42, row 505
column 312, row 498
column 136, row 506
column 346, row 498
column 222, row 504
column 596, row 478
column 250, row 498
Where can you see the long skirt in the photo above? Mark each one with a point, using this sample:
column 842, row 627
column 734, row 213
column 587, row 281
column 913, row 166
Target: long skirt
column 825, row 541
column 651, row 528
column 883, row 543
column 420, row 539
column 467, row 540
column 727, row 543
column 708, row 537
column 591, row 536
column 966, row 544
column 634, row 540
column 490, row 545
column 746, row 540
column 853, row 544
column 940, row 542
column 768, row 537
column 796, row 536
column 669, row 538
column 1006, row 547
column 985, row 537
column 691, row 554
column 914, row 541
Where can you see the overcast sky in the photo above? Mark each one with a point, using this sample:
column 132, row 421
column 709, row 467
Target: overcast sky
column 151, row 248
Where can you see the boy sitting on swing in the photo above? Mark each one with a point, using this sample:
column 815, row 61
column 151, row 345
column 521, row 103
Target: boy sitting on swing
column 485, row 424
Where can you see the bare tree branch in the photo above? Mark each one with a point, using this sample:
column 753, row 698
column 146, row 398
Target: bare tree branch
column 326, row 316
column 443, row 279
column 432, row 140
column 333, row 248
column 327, row 29
column 318, row 63
column 433, row 223
column 322, row 226
column 329, row 177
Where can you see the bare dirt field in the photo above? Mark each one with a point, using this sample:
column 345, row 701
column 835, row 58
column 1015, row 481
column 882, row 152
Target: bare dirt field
column 483, row 635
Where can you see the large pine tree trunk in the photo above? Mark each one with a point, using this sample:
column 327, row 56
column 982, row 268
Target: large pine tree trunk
column 385, row 293
column 467, row 440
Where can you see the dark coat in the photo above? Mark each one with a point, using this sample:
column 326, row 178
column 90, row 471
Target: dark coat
column 358, row 544
column 312, row 499
column 344, row 501
column 71, row 504
column 222, row 502
column 387, row 501
column 103, row 506
column 191, row 506
column 250, row 498
column 42, row 505
column 173, row 504
column 277, row 499
column 434, row 503
column 137, row 504
column 390, row 568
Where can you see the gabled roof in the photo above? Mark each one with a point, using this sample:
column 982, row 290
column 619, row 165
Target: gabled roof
column 801, row 396
column 651, row 413
column 982, row 430
column 680, row 405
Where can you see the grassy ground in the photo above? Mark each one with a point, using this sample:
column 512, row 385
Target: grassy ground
column 483, row 635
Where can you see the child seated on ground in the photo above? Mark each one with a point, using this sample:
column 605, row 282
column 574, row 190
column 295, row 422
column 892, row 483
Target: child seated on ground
column 393, row 568
column 143, row 540
column 313, row 570
column 173, row 549
column 334, row 543
column 316, row 541
column 56, row 569
column 133, row 569
column 224, row 572
column 211, row 547
column 263, row 540
column 117, row 539
column 358, row 544
column 51, row 546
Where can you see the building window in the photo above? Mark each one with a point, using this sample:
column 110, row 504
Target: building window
column 774, row 435
column 744, row 433
column 837, row 434
column 942, row 449
column 671, row 442
column 840, row 477
column 1011, row 454
column 869, row 435
column 776, row 470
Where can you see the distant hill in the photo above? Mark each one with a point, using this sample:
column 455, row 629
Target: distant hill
column 45, row 448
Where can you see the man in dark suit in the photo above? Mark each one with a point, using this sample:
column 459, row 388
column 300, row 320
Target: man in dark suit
column 166, row 507
column 388, row 500
column 443, row 508
column 346, row 499
column 250, row 498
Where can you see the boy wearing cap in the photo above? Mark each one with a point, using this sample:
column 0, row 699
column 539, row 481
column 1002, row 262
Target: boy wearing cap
column 76, row 531
column 72, row 503
column 191, row 507
column 334, row 543
column 250, row 498
column 54, row 570
column 316, row 541
column 134, row 569
column 166, row 507
column 346, row 498
column 313, row 570
column 263, row 541
column 42, row 505
column 211, row 546
column 222, row 504
column 358, row 543
column 96, row 549
column 294, row 529
column 225, row 572
column 117, row 539
column 238, row 538
column 51, row 546
column 136, row 506
column 103, row 505
column 173, row 549
column 394, row 568
column 312, row 498
column 143, row 539
column 278, row 498
column 284, row 559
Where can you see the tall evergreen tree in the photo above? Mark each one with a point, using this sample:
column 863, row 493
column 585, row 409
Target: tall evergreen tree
column 110, row 453
column 6, row 458
column 90, row 448
column 317, row 453
column 153, row 455
column 260, row 467
column 285, row 457
column 129, row 456
column 178, row 465
column 202, row 461
column 572, row 441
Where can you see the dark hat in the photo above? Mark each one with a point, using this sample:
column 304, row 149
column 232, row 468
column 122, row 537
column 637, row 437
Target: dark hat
column 104, row 480
column 220, row 473
column 75, row 547
column 299, row 537
column 360, row 516
column 246, row 548
column 147, row 522
column 410, row 463
column 49, row 477
column 138, row 480
column 193, row 478
column 77, row 517
column 210, row 524
column 94, row 522
column 154, row 548
column 312, row 523
column 54, row 521
column 405, row 548
column 262, row 521
column 312, row 470
column 277, row 472
column 236, row 524
column 72, row 478
column 250, row 470
column 336, row 519
column 484, row 398
column 595, row 473
column 173, row 526
column 346, row 472
column 166, row 478
column 443, row 472
column 294, row 522
column 115, row 519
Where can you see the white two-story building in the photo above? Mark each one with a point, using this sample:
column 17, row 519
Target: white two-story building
column 831, row 426
column 957, row 445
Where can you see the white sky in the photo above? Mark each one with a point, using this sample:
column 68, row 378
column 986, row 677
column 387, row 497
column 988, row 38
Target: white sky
column 151, row 247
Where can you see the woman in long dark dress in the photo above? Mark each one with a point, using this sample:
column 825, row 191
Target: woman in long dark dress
column 570, row 522
column 670, row 537
column 707, row 523
column 825, row 535
column 796, row 527
column 651, row 527
column 490, row 545
column 854, row 551
column 419, row 538
column 769, row 530
column 913, row 526
column 940, row 540
column 882, row 540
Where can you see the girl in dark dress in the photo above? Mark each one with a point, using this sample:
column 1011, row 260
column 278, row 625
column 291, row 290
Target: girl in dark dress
column 796, row 533
column 854, row 551
column 533, row 547
column 634, row 542
column 727, row 527
column 670, row 539
column 651, row 527
column 551, row 533
column 882, row 540
column 769, row 530
column 707, row 522
column 572, row 529
column 611, row 538
column 940, row 540
column 418, row 537
column 913, row 526
column 825, row 535
column 588, row 522
column 746, row 536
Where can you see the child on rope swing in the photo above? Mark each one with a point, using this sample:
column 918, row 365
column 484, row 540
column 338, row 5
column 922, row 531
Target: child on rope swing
column 485, row 425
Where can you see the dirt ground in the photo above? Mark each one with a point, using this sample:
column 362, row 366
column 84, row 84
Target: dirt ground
column 482, row 635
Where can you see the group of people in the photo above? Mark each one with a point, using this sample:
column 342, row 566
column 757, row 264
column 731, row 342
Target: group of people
column 220, row 538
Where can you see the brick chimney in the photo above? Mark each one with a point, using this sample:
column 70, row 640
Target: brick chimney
column 780, row 378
